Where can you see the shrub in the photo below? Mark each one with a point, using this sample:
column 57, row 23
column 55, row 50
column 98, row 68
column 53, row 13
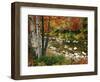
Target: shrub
column 52, row 60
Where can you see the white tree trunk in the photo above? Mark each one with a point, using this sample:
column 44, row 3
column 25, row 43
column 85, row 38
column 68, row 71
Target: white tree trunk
column 36, row 41
column 38, row 37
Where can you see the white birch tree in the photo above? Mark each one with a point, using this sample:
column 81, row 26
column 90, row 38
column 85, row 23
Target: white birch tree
column 38, row 37
column 35, row 36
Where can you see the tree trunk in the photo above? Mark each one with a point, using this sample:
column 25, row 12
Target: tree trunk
column 38, row 37
column 42, row 35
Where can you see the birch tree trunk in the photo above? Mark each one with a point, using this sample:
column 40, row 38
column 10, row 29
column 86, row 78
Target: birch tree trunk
column 35, row 36
column 31, row 41
column 38, row 38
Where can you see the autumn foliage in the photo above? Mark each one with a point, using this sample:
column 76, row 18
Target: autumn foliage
column 63, row 40
column 59, row 22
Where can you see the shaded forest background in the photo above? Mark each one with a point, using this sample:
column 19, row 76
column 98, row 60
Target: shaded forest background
column 57, row 40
